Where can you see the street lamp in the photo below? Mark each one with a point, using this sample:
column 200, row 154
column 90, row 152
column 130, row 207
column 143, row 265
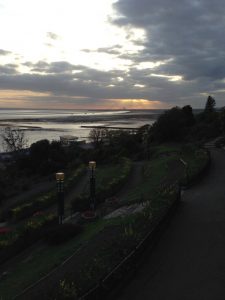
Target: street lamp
column 185, row 170
column 60, row 192
column 92, row 166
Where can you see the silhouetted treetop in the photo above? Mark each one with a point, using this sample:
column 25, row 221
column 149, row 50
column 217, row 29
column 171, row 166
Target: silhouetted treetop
column 210, row 104
column 172, row 124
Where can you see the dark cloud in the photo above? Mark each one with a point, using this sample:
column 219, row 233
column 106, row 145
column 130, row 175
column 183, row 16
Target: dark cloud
column 95, row 84
column 186, row 34
column 62, row 80
column 87, row 83
column 54, row 67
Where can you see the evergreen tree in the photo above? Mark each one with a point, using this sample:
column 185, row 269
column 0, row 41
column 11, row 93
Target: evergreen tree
column 210, row 104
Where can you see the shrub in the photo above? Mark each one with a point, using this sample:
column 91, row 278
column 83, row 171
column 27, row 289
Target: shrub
column 62, row 233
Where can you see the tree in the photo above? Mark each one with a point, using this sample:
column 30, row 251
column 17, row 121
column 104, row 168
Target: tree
column 39, row 151
column 97, row 136
column 210, row 104
column 14, row 139
column 188, row 115
column 170, row 126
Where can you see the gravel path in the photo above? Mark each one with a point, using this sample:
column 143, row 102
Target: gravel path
column 188, row 262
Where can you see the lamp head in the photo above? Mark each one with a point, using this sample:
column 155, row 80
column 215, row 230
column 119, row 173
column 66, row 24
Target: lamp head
column 92, row 165
column 59, row 176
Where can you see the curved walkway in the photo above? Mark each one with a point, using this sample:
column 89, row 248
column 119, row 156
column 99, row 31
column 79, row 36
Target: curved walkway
column 188, row 263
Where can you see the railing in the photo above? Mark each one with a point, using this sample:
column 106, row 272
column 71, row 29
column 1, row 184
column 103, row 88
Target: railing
column 127, row 267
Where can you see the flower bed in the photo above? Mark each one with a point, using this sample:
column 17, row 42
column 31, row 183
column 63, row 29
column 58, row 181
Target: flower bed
column 15, row 241
column 5, row 230
column 27, row 209
column 108, row 249
column 89, row 215
column 96, row 260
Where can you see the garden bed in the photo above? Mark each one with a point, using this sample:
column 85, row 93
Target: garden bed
column 115, row 239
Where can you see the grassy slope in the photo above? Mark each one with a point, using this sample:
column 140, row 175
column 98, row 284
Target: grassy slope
column 43, row 259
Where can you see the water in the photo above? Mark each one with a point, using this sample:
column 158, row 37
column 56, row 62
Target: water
column 51, row 124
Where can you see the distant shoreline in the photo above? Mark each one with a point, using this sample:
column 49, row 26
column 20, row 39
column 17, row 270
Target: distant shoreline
column 83, row 118
column 51, row 124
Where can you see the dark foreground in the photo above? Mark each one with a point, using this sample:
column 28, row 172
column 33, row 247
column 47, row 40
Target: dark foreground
column 188, row 262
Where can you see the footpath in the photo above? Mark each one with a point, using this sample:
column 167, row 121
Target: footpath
column 188, row 262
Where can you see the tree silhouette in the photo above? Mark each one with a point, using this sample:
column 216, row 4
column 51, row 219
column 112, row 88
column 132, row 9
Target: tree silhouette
column 14, row 139
column 188, row 115
column 210, row 104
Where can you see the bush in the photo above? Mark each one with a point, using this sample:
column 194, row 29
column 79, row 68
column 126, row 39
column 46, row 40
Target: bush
column 62, row 233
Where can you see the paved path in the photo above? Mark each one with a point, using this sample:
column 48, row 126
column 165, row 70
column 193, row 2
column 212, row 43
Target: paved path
column 188, row 263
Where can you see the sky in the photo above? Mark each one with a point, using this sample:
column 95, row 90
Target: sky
column 111, row 54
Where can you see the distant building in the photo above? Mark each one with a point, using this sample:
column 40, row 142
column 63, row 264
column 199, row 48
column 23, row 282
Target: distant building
column 67, row 140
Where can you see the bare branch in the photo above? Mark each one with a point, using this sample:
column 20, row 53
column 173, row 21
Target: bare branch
column 13, row 139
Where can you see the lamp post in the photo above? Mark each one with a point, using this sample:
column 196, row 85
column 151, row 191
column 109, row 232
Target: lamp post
column 92, row 166
column 60, row 192
column 185, row 170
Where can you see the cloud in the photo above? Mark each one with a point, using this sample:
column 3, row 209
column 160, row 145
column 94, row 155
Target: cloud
column 51, row 39
column 54, row 67
column 4, row 52
column 163, row 50
column 87, row 82
column 62, row 80
column 114, row 50
column 8, row 69
column 52, row 36
column 187, row 35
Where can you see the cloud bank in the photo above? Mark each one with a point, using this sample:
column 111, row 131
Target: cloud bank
column 176, row 57
column 186, row 35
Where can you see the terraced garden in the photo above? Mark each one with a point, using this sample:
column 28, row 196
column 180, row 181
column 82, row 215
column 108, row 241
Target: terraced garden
column 140, row 192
